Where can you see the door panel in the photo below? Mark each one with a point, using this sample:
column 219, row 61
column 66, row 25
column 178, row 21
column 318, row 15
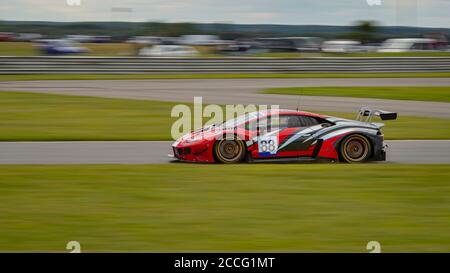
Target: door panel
column 293, row 139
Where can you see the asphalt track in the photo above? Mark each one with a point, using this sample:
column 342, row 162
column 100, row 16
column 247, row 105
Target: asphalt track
column 243, row 91
column 155, row 152
column 221, row 91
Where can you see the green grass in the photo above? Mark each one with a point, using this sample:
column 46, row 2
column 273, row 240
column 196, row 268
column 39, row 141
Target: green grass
column 17, row 49
column 37, row 77
column 181, row 207
column 440, row 94
column 44, row 117
column 29, row 116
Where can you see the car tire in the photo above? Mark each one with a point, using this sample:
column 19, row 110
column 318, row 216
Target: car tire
column 355, row 149
column 229, row 151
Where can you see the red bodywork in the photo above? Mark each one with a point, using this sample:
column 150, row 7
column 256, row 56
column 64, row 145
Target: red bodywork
column 198, row 146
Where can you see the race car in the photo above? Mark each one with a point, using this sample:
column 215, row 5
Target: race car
column 287, row 135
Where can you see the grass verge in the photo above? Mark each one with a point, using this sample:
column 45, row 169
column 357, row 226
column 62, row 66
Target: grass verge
column 440, row 94
column 45, row 117
column 178, row 207
column 41, row 77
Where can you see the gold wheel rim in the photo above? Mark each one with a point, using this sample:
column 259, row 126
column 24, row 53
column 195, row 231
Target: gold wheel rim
column 355, row 149
column 229, row 151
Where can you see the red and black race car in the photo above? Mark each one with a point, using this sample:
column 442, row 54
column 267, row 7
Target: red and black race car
column 287, row 135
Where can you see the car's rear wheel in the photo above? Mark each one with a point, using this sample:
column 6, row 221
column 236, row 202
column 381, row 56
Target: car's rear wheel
column 355, row 149
column 229, row 151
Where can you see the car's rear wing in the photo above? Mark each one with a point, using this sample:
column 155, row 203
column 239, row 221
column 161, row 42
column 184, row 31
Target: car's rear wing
column 366, row 114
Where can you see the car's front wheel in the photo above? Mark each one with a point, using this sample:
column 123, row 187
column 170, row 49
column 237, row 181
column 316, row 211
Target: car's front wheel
column 229, row 151
column 355, row 149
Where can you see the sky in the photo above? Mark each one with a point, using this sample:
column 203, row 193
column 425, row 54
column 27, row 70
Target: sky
column 426, row 13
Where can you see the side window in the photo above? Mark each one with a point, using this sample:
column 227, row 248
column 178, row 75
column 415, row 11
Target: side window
column 295, row 121
column 308, row 121
column 285, row 121
column 292, row 121
column 269, row 124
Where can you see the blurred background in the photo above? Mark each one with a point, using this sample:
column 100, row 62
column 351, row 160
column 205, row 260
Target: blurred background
column 222, row 28
column 363, row 38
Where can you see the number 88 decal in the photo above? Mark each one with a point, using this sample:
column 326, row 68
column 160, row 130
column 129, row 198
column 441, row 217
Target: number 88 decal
column 268, row 145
